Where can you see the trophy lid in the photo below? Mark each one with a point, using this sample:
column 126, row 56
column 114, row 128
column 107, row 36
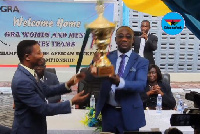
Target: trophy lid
column 100, row 22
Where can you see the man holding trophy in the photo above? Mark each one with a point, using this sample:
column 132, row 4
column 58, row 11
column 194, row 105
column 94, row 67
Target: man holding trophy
column 124, row 75
column 119, row 99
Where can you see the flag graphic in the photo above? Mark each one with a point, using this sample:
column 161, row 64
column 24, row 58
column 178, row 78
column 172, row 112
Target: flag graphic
column 172, row 22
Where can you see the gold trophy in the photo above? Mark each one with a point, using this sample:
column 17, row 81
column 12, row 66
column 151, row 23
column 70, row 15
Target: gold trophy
column 102, row 30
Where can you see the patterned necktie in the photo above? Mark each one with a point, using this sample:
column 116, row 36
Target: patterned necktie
column 36, row 76
column 120, row 73
column 122, row 65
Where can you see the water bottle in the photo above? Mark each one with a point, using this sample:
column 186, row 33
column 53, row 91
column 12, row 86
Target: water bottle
column 180, row 106
column 92, row 101
column 185, row 106
column 159, row 103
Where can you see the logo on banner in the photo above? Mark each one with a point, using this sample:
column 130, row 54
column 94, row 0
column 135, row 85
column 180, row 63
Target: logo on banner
column 173, row 23
column 9, row 9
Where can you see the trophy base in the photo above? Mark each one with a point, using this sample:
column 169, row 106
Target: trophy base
column 105, row 71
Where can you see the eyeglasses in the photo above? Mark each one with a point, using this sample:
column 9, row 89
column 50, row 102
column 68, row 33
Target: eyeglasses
column 151, row 73
column 124, row 36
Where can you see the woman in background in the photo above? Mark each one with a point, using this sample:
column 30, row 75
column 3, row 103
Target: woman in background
column 156, row 86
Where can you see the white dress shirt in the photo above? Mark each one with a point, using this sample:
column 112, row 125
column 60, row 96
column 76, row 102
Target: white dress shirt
column 142, row 45
column 111, row 100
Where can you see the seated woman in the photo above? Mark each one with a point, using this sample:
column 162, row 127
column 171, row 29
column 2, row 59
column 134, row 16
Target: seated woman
column 156, row 86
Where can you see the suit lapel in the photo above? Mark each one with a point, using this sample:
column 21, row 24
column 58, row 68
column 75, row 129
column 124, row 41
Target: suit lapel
column 149, row 36
column 146, row 46
column 139, row 44
column 113, row 58
column 45, row 77
column 104, row 92
column 29, row 75
column 39, row 89
column 36, row 82
column 130, row 64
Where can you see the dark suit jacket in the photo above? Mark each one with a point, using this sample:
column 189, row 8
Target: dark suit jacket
column 51, row 80
column 150, row 46
column 168, row 100
column 135, row 76
column 4, row 130
column 31, row 107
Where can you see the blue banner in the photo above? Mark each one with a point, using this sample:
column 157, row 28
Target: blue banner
column 59, row 27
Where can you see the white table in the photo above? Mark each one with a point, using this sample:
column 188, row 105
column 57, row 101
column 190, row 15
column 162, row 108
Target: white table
column 68, row 123
column 71, row 123
column 161, row 121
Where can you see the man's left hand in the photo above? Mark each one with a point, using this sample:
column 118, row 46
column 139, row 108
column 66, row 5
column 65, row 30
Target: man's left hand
column 75, row 79
column 93, row 70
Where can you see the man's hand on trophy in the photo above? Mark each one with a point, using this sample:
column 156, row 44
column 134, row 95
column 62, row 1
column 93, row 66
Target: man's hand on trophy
column 75, row 79
column 115, row 79
column 96, row 57
column 93, row 70
column 79, row 98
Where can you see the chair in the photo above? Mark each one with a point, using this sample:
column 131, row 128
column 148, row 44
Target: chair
column 166, row 78
column 52, row 70
column 90, row 85
column 137, row 33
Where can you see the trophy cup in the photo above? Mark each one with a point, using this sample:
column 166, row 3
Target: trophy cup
column 102, row 30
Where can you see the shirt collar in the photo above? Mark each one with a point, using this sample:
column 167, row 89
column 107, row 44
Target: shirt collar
column 27, row 68
column 128, row 54
column 42, row 78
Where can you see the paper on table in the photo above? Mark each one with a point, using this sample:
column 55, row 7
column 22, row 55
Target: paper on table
column 155, row 129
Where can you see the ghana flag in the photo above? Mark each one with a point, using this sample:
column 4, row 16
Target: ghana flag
column 172, row 22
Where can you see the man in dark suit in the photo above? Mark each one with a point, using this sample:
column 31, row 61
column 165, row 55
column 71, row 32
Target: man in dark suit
column 29, row 93
column 4, row 130
column 145, row 44
column 119, row 100
column 48, row 78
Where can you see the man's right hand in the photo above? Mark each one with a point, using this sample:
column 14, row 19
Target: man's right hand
column 79, row 98
column 144, row 35
column 96, row 57
column 75, row 79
